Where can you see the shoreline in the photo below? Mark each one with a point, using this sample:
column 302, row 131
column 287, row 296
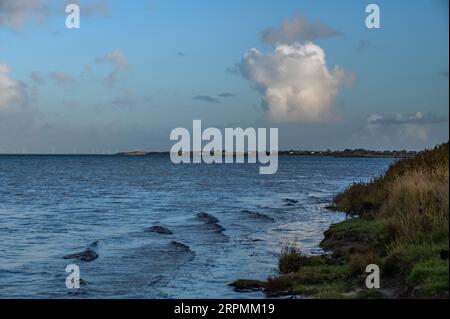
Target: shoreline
column 168, row 154
column 399, row 222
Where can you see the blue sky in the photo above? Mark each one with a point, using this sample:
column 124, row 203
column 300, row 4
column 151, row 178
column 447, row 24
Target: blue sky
column 137, row 69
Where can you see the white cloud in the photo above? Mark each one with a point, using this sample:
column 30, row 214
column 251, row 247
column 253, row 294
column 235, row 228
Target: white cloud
column 295, row 82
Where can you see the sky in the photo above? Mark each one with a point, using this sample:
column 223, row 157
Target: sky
column 135, row 70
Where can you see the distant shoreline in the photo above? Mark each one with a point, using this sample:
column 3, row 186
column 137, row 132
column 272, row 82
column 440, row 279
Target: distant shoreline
column 336, row 154
column 344, row 153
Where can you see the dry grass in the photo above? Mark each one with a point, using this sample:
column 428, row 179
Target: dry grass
column 417, row 205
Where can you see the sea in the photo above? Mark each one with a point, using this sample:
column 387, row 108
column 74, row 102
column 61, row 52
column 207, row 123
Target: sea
column 220, row 222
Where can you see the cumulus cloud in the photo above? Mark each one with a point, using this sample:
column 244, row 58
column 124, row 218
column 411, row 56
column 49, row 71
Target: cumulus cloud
column 298, row 29
column 61, row 77
column 295, row 83
column 206, row 98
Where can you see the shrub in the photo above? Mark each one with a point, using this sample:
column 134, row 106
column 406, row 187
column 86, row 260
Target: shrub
column 291, row 259
column 359, row 261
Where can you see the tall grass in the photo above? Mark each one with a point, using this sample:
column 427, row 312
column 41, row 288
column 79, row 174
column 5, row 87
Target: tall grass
column 367, row 198
column 417, row 205
column 411, row 201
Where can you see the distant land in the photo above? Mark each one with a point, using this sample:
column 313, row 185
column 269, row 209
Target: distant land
column 345, row 153
column 337, row 153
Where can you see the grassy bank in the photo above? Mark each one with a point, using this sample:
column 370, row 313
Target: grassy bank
column 399, row 222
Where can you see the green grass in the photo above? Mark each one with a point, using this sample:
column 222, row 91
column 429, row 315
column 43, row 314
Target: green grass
column 430, row 277
column 322, row 277
column 361, row 228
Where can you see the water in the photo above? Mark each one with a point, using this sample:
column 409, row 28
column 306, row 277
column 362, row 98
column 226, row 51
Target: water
column 51, row 206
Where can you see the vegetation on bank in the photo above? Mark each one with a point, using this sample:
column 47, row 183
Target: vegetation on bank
column 399, row 222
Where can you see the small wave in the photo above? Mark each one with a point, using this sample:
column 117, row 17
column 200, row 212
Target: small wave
column 207, row 218
column 158, row 229
column 212, row 223
column 87, row 255
column 290, row 201
column 258, row 215
column 180, row 246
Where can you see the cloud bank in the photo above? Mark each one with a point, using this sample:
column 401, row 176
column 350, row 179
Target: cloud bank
column 410, row 126
column 416, row 118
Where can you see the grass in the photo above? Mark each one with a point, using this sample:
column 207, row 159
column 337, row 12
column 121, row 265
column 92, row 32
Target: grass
column 401, row 223
column 325, row 278
column 406, row 212
column 367, row 198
